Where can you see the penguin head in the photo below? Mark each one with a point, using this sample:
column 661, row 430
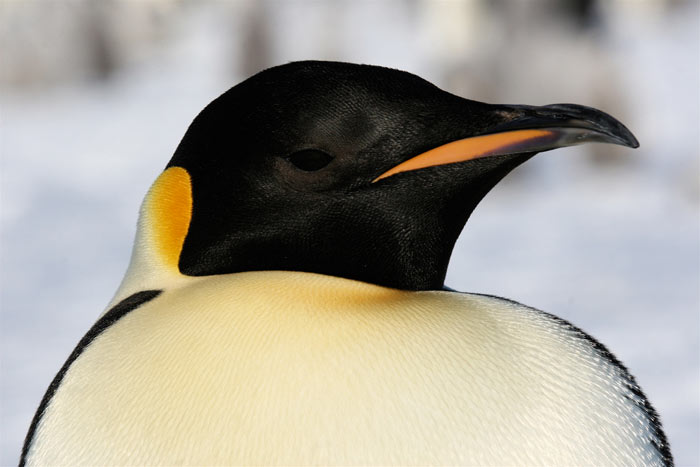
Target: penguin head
column 355, row 171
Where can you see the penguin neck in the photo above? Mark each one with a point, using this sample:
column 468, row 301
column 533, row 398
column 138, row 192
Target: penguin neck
column 400, row 253
column 408, row 263
column 161, row 230
column 413, row 264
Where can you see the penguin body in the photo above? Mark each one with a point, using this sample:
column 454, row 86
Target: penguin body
column 297, row 369
column 285, row 305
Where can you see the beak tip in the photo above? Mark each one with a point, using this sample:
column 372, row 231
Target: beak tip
column 602, row 127
column 627, row 139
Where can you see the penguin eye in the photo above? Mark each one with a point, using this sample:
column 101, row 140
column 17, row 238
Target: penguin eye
column 310, row 160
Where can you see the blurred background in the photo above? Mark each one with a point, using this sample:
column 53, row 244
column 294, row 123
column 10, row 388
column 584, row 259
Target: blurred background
column 96, row 95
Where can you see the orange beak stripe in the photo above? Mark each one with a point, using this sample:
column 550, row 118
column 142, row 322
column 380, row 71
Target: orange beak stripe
column 509, row 142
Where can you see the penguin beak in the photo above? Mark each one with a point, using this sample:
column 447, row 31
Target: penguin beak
column 526, row 129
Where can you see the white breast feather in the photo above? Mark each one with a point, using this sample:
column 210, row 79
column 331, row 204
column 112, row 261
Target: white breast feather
column 281, row 368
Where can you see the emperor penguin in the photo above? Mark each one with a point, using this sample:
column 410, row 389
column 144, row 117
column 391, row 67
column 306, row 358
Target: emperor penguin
column 285, row 301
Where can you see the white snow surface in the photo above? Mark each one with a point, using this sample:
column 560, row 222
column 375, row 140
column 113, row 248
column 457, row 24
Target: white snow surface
column 614, row 250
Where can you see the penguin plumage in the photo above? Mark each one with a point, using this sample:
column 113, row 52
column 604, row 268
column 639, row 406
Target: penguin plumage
column 285, row 301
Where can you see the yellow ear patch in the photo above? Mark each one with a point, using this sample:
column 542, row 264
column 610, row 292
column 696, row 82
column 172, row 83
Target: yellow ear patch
column 169, row 211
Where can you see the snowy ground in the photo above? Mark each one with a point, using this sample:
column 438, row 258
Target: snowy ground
column 615, row 251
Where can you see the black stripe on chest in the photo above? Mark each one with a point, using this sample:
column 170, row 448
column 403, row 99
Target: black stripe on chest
column 117, row 312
